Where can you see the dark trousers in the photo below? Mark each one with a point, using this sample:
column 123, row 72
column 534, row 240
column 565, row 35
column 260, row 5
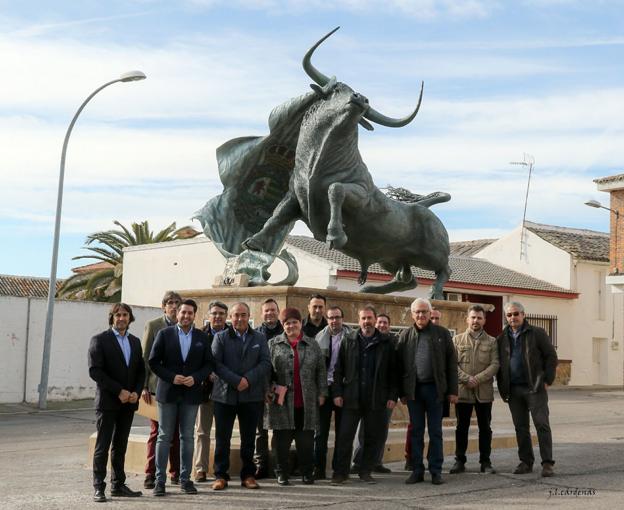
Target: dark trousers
column 113, row 429
column 322, row 435
column 426, row 406
column 446, row 412
column 174, row 451
column 224, row 414
column 463, row 412
column 261, row 457
column 521, row 403
column 381, row 443
column 304, row 442
column 373, row 423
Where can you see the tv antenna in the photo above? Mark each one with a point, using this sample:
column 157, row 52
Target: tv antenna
column 528, row 161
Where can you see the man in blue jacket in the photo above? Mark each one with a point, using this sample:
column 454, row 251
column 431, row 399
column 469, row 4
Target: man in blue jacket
column 181, row 358
column 242, row 366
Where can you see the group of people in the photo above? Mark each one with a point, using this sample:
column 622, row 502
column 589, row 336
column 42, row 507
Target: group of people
column 292, row 374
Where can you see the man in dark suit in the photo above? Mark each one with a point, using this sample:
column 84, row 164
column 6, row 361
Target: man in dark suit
column 243, row 366
column 170, row 303
column 182, row 359
column 116, row 365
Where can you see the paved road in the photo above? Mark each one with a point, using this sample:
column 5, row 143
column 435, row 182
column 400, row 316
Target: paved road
column 43, row 466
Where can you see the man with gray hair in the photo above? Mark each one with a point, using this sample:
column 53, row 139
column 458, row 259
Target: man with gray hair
column 528, row 365
column 427, row 371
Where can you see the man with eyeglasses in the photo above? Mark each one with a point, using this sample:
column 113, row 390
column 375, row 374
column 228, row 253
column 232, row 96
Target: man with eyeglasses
column 528, row 365
column 427, row 371
column 217, row 312
column 329, row 339
column 170, row 303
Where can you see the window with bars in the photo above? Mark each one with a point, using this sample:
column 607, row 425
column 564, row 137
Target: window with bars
column 547, row 322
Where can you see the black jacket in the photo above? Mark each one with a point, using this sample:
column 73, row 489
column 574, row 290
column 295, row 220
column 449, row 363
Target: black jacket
column 444, row 359
column 347, row 372
column 107, row 367
column 166, row 362
column 539, row 359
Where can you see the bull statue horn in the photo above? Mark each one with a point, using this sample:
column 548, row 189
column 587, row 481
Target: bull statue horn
column 378, row 118
column 312, row 71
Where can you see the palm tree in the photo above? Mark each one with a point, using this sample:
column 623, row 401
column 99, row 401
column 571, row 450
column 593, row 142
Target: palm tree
column 104, row 284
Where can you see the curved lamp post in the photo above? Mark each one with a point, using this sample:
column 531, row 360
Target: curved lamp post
column 47, row 338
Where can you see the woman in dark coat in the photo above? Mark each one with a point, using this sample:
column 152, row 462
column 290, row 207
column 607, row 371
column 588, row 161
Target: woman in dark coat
column 298, row 366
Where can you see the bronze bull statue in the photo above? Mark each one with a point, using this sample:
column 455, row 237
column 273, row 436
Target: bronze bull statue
column 332, row 191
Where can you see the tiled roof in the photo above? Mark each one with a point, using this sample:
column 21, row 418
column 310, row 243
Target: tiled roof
column 465, row 269
column 583, row 244
column 25, row 286
column 89, row 268
column 610, row 178
column 469, row 248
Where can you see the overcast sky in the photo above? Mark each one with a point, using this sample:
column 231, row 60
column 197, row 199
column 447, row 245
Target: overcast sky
column 502, row 78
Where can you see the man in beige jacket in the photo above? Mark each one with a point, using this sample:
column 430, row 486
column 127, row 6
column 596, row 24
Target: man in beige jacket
column 477, row 359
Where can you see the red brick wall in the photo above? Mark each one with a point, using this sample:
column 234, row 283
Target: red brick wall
column 616, row 251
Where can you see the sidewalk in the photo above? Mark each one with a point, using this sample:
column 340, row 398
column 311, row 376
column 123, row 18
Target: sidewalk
column 43, row 456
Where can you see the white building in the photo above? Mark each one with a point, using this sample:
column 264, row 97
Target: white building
column 557, row 273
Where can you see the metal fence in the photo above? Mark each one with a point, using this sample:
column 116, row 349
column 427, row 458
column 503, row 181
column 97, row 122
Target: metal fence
column 547, row 322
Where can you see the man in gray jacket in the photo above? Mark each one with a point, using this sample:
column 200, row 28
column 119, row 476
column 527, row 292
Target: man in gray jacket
column 329, row 339
column 477, row 358
column 243, row 364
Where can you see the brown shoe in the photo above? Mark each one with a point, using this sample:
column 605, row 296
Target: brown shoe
column 547, row 470
column 200, row 477
column 219, row 484
column 250, row 483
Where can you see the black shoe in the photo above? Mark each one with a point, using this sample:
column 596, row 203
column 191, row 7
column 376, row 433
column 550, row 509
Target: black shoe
column 366, row 477
column 307, row 480
column 200, row 477
column 486, row 467
column 339, row 479
column 175, row 480
column 123, row 491
column 437, row 479
column 261, row 473
column 415, row 478
column 319, row 474
column 99, row 496
column 150, row 482
column 355, row 469
column 188, row 487
column 408, row 466
column 159, row 490
column 282, row 480
column 458, row 467
column 382, row 469
column 523, row 469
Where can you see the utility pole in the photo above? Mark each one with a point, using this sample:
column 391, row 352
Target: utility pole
column 528, row 161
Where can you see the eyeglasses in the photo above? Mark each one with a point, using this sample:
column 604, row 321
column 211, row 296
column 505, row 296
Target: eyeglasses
column 420, row 312
column 216, row 314
column 513, row 314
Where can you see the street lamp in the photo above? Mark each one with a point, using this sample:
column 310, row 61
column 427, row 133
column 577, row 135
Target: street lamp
column 598, row 205
column 47, row 337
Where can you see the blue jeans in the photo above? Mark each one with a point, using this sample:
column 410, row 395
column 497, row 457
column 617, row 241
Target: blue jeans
column 168, row 413
column 426, row 404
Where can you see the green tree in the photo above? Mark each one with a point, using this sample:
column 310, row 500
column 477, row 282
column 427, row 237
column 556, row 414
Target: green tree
column 105, row 284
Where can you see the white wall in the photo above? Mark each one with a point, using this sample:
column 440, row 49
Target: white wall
column 540, row 259
column 22, row 323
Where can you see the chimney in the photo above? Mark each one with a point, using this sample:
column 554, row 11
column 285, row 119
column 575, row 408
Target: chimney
column 614, row 185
